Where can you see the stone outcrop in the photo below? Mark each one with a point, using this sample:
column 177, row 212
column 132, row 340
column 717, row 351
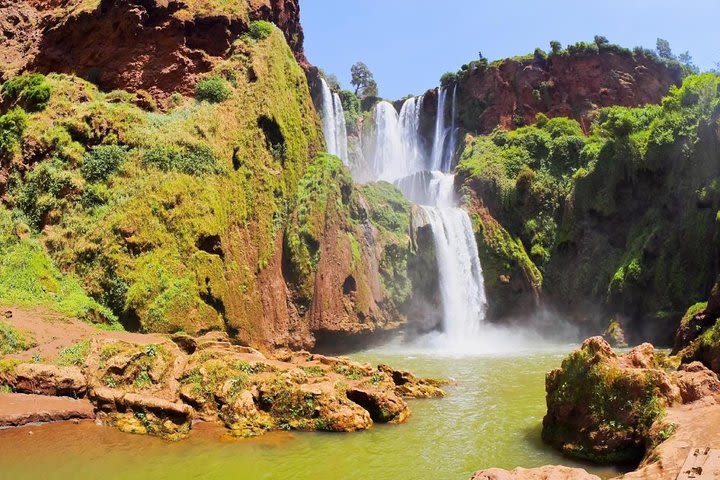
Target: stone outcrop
column 601, row 406
column 40, row 379
column 160, row 389
column 161, row 46
column 698, row 319
column 541, row 473
column 608, row 408
column 696, row 382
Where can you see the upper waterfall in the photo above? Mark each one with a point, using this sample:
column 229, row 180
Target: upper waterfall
column 333, row 123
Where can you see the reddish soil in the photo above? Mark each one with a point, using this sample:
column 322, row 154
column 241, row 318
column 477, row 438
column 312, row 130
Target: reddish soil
column 53, row 333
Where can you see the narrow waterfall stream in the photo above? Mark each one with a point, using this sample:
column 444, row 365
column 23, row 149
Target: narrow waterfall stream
column 425, row 178
column 333, row 123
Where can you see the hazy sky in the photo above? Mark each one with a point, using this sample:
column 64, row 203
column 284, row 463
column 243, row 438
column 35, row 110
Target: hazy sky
column 409, row 44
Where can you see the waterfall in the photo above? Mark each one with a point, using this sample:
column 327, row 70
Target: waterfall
column 462, row 286
column 333, row 123
column 440, row 132
column 445, row 140
column 389, row 162
column 429, row 188
column 452, row 145
column 409, row 131
column 399, row 157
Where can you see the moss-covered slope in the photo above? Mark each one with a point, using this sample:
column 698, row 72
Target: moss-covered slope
column 621, row 222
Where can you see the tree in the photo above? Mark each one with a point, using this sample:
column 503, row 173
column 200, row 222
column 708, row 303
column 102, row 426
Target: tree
column 664, row 50
column 371, row 89
column 555, row 47
column 685, row 58
column 362, row 77
column 601, row 40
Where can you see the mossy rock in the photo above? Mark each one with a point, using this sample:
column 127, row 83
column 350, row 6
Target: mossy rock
column 601, row 408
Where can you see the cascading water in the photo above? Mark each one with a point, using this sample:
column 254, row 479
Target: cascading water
column 461, row 282
column 399, row 157
column 452, row 133
column 439, row 138
column 333, row 122
column 389, row 162
column 413, row 149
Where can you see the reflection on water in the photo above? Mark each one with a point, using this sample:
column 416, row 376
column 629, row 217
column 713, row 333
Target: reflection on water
column 491, row 418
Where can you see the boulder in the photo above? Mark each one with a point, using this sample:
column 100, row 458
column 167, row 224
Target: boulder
column 408, row 385
column 542, row 473
column 697, row 382
column 601, row 407
column 383, row 406
column 143, row 414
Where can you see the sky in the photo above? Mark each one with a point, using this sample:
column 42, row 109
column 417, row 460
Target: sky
column 409, row 44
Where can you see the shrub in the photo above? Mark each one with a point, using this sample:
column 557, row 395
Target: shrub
column 555, row 47
column 193, row 160
column 12, row 340
column 29, row 90
column 260, row 30
column 42, row 190
column 102, row 161
column 12, row 126
column 213, row 89
column 448, row 78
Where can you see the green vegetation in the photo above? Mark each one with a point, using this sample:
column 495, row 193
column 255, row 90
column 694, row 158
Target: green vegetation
column 13, row 340
column 195, row 160
column 628, row 206
column 29, row 278
column 213, row 89
column 74, row 355
column 260, row 30
column 102, row 161
column 29, row 91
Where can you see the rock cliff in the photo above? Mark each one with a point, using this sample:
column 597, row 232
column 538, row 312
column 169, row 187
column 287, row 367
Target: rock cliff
column 510, row 93
column 161, row 46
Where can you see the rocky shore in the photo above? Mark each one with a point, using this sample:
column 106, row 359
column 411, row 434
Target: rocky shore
column 642, row 408
column 161, row 385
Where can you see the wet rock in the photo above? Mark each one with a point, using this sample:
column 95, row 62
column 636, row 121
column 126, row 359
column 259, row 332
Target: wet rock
column 41, row 379
column 408, row 385
column 143, row 414
column 542, row 473
column 383, row 406
column 336, row 413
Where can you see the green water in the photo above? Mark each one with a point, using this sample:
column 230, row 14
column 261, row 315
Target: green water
column 491, row 418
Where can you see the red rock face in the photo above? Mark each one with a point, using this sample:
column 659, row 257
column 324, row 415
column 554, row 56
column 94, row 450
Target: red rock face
column 131, row 44
column 514, row 92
